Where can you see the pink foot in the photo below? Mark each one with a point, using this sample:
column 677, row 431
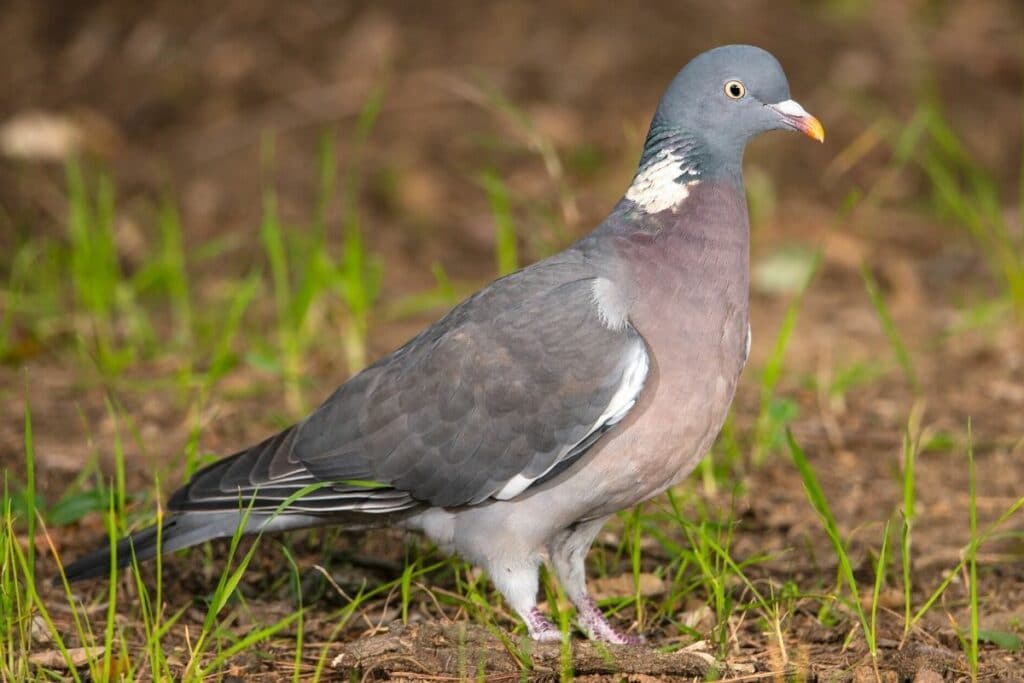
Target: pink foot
column 540, row 628
column 597, row 627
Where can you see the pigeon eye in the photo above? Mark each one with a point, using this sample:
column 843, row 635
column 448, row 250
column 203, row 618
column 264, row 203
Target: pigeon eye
column 735, row 89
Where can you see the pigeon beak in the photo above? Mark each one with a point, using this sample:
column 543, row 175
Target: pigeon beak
column 794, row 116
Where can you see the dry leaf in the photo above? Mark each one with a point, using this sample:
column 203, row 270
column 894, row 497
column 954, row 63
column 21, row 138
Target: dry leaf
column 54, row 659
column 622, row 586
column 39, row 136
column 698, row 616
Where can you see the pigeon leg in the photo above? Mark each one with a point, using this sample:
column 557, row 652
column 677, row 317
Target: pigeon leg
column 568, row 553
column 518, row 584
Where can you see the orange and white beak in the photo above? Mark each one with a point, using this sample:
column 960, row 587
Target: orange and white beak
column 796, row 117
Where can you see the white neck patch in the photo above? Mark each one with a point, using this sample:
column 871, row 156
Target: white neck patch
column 657, row 188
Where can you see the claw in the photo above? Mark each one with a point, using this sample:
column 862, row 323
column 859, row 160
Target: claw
column 541, row 630
column 594, row 624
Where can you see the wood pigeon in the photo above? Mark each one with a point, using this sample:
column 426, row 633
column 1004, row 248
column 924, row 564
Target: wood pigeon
column 511, row 429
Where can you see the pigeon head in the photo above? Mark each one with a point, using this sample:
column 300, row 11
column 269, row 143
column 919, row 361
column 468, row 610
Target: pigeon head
column 726, row 96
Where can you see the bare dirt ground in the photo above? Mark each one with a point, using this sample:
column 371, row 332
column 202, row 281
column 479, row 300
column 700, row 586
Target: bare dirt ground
column 175, row 99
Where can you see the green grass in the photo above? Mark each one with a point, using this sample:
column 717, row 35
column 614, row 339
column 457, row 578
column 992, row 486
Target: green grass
column 306, row 276
column 97, row 280
column 356, row 278
column 906, row 527
column 506, row 250
column 959, row 191
column 727, row 583
column 846, row 579
column 968, row 563
column 968, row 194
column 776, row 412
column 972, row 553
column 889, row 327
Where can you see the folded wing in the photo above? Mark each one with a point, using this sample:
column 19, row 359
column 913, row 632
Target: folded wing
column 507, row 389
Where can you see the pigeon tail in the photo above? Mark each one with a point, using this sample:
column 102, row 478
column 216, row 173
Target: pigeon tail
column 181, row 531
column 187, row 529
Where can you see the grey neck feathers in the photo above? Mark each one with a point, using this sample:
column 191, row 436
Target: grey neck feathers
column 702, row 162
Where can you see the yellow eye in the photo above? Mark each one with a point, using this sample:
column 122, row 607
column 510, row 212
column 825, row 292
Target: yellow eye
column 735, row 89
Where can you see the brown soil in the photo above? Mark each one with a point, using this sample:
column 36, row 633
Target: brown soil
column 175, row 98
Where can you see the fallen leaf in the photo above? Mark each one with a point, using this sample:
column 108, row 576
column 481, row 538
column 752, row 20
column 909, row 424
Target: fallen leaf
column 623, row 586
column 698, row 616
column 39, row 632
column 39, row 136
column 784, row 271
column 55, row 659
column 1003, row 639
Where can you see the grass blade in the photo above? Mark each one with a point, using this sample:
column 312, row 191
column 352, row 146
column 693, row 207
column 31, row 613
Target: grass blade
column 889, row 327
column 820, row 504
column 506, row 250
column 972, row 554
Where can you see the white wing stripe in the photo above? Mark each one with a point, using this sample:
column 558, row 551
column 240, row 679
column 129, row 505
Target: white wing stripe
column 621, row 403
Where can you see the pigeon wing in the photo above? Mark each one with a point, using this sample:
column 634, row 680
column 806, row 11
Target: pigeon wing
column 512, row 385
column 488, row 400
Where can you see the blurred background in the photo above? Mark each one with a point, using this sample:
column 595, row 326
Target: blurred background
column 175, row 101
column 213, row 212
